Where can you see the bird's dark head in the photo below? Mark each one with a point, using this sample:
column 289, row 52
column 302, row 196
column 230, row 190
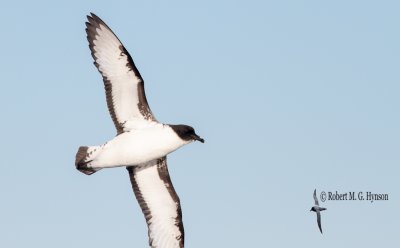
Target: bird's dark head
column 312, row 209
column 186, row 133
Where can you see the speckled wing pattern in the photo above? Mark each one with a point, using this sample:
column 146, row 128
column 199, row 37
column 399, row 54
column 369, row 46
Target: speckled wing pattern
column 124, row 86
column 159, row 202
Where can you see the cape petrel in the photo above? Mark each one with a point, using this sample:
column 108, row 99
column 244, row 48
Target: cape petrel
column 317, row 209
column 141, row 143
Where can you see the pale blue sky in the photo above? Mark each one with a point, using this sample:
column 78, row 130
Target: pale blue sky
column 289, row 96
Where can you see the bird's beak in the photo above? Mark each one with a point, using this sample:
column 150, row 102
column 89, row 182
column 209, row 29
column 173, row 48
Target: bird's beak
column 196, row 137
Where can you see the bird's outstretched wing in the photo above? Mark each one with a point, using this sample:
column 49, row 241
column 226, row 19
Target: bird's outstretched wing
column 319, row 220
column 159, row 203
column 315, row 197
column 124, row 86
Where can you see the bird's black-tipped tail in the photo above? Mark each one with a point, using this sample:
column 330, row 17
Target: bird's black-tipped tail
column 82, row 158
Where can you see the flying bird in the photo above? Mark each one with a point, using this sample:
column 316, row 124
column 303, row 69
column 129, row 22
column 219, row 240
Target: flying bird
column 317, row 209
column 141, row 143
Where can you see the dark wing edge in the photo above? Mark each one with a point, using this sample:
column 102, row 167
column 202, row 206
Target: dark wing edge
column 315, row 197
column 319, row 220
column 163, row 175
column 92, row 24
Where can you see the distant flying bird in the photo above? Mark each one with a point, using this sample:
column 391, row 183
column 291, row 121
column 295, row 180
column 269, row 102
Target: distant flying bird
column 317, row 209
column 141, row 144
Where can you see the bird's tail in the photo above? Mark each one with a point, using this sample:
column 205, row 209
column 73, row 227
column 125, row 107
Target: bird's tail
column 84, row 156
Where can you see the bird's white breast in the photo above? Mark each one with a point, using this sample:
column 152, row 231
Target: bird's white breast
column 138, row 146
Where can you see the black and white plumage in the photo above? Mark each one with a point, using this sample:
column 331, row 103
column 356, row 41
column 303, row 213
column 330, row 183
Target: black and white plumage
column 141, row 144
column 159, row 203
column 317, row 209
